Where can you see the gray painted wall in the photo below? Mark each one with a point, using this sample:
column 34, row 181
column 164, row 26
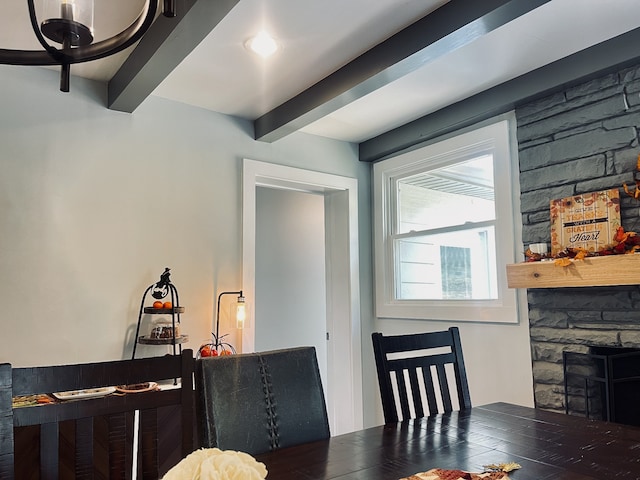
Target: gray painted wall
column 95, row 203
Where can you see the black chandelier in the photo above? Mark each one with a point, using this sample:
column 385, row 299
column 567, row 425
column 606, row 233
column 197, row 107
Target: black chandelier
column 68, row 28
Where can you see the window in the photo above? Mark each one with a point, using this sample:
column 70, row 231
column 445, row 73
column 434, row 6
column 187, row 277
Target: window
column 444, row 229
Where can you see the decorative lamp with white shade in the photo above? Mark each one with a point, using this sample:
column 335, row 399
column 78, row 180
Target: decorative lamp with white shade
column 239, row 313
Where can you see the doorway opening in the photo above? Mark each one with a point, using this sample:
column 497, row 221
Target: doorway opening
column 290, row 288
column 343, row 344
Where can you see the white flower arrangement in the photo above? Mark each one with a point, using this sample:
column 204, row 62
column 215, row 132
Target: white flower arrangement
column 216, row 464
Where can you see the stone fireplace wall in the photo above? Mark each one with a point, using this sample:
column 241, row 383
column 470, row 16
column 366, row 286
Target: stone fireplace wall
column 580, row 140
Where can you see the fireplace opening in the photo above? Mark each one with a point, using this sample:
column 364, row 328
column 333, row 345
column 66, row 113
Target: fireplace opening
column 603, row 384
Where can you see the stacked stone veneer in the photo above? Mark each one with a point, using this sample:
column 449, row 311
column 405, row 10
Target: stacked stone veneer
column 580, row 140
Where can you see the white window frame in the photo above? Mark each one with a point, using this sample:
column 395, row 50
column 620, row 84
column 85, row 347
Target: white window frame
column 497, row 138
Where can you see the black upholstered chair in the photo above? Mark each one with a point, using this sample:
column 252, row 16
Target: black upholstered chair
column 431, row 362
column 260, row 402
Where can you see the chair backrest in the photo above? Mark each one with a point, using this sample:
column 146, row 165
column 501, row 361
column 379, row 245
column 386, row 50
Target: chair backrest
column 6, row 423
column 417, row 357
column 95, row 437
column 260, row 402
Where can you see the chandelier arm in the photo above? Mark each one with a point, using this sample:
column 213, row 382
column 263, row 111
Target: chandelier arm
column 95, row 51
column 36, row 30
column 26, row 57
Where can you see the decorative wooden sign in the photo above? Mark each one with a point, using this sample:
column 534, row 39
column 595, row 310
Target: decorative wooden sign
column 587, row 221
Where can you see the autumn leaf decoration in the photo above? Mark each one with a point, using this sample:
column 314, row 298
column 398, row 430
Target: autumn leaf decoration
column 502, row 467
column 636, row 193
column 570, row 254
column 623, row 243
column 562, row 262
column 627, row 242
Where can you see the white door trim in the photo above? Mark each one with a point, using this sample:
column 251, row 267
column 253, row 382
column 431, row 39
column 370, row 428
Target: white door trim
column 344, row 348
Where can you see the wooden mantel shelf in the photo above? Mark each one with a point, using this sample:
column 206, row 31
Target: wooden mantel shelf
column 590, row 272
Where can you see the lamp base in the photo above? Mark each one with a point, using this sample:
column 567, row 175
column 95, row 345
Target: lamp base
column 57, row 29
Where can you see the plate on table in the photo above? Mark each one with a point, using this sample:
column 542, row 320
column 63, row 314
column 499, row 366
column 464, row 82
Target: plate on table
column 86, row 393
column 137, row 387
column 31, row 400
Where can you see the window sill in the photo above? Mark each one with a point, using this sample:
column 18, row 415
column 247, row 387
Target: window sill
column 590, row 272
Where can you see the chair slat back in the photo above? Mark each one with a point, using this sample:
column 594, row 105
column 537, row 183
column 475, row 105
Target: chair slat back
column 94, row 437
column 418, row 357
column 6, row 423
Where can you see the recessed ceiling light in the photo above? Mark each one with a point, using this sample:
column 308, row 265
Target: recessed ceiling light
column 262, row 44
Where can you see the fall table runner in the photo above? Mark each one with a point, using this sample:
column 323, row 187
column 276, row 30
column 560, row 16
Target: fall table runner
column 441, row 474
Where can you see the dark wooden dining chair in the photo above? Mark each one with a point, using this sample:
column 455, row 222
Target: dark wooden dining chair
column 260, row 402
column 94, row 437
column 430, row 362
column 6, row 423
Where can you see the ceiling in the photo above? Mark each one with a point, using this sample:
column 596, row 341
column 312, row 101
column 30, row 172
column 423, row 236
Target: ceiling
column 349, row 70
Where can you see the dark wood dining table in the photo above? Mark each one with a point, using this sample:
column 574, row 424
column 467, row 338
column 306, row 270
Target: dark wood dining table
column 547, row 445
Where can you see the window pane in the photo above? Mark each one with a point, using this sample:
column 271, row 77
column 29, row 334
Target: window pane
column 458, row 265
column 455, row 270
column 447, row 196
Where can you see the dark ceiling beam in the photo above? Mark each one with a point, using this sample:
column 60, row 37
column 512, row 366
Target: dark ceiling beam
column 164, row 46
column 582, row 66
column 448, row 28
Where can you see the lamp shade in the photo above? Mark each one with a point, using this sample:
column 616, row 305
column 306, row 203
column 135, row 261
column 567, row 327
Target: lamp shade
column 240, row 311
column 68, row 21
